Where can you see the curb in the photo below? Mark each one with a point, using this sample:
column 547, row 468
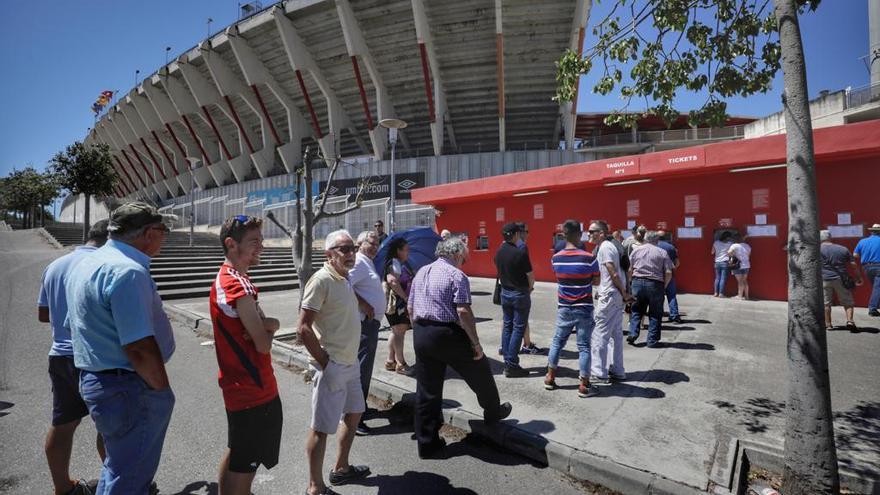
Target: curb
column 568, row 460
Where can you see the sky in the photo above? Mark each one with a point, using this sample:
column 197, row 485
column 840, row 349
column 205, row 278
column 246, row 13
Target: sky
column 58, row 55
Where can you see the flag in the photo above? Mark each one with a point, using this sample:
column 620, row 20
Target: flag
column 103, row 100
column 97, row 107
column 108, row 94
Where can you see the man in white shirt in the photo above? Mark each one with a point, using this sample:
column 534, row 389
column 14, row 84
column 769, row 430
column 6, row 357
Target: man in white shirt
column 608, row 303
column 371, row 302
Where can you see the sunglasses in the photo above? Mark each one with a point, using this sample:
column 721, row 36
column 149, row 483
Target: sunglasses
column 164, row 228
column 594, row 231
column 244, row 219
column 345, row 249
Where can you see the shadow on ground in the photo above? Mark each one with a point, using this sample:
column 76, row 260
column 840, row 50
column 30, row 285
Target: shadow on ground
column 857, row 432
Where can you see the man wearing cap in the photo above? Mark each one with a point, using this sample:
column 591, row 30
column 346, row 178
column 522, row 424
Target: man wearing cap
column 867, row 253
column 517, row 282
column 68, row 407
column 121, row 341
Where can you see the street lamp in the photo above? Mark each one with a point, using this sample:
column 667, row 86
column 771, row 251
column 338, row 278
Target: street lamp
column 393, row 125
column 193, row 164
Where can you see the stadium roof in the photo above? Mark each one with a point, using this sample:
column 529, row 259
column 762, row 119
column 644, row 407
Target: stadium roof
column 467, row 75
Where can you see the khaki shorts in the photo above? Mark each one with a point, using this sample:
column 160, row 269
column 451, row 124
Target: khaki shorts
column 844, row 295
column 337, row 392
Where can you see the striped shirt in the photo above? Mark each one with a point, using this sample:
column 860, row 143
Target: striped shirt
column 575, row 269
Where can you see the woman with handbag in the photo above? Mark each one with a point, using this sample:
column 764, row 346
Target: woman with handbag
column 398, row 276
column 719, row 253
column 739, row 253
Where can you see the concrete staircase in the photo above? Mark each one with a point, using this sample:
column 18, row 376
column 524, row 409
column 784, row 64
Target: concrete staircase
column 182, row 271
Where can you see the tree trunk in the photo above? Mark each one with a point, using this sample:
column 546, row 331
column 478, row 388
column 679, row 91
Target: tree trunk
column 86, row 214
column 810, row 453
column 306, row 234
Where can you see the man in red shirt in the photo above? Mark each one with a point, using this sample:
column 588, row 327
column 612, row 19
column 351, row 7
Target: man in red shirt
column 243, row 339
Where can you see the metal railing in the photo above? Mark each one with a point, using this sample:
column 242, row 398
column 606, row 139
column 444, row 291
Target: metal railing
column 860, row 96
column 667, row 136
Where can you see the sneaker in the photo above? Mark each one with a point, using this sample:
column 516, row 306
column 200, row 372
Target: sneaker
column 677, row 320
column 550, row 380
column 598, row 380
column 617, row 378
column 363, row 430
column 587, row 390
column 631, row 340
column 531, row 349
column 351, row 474
column 873, row 312
column 81, row 487
column 515, row 372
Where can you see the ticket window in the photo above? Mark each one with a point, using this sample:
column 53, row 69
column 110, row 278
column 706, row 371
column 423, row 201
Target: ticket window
column 482, row 243
column 716, row 235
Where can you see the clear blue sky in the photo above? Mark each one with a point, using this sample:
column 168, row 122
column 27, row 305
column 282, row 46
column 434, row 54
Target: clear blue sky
column 58, row 55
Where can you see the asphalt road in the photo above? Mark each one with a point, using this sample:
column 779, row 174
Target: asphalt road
column 197, row 435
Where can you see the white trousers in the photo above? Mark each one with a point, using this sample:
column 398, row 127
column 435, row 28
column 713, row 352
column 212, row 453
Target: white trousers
column 608, row 313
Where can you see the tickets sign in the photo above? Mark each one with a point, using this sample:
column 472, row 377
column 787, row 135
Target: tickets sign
column 674, row 160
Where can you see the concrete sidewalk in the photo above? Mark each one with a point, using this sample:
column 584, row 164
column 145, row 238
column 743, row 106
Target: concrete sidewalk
column 721, row 373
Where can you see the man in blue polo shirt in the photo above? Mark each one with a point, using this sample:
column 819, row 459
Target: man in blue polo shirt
column 867, row 253
column 68, row 407
column 121, row 341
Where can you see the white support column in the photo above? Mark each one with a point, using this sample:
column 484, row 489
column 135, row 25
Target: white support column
column 261, row 151
column 176, row 163
column 302, row 62
column 357, row 49
column 568, row 111
column 499, row 60
column 206, row 94
column 185, row 103
column 140, row 157
column 165, row 109
column 437, row 110
column 255, row 72
column 128, row 164
column 97, row 136
column 161, row 170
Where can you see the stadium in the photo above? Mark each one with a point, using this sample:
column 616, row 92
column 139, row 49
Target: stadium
column 220, row 129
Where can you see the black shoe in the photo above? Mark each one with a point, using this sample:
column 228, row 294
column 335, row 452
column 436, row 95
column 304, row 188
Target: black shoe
column 515, row 372
column 81, row 488
column 873, row 312
column 434, row 450
column 363, row 430
column 677, row 320
column 631, row 340
column 504, row 411
column 352, row 474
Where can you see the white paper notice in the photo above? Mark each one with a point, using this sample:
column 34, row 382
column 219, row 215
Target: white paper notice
column 630, row 224
column 761, row 219
column 688, row 221
column 626, row 234
column 690, row 232
column 844, row 219
column 842, row 231
column 499, row 214
column 761, row 230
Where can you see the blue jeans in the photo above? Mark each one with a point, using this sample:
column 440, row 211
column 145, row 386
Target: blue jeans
column 672, row 297
column 721, row 273
column 873, row 273
column 580, row 318
column 132, row 419
column 649, row 296
column 516, row 306
column 367, row 352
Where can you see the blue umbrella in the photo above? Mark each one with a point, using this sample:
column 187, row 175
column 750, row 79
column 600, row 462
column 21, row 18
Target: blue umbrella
column 422, row 244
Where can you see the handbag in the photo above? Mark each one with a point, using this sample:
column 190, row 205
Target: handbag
column 496, row 296
column 733, row 263
column 390, row 298
column 846, row 280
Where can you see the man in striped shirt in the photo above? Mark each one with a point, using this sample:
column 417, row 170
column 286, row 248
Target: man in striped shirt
column 576, row 273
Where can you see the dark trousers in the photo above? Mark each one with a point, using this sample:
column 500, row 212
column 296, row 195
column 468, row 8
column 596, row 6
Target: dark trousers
column 649, row 297
column 367, row 352
column 437, row 347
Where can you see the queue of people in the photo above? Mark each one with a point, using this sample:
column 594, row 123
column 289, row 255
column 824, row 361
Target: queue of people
column 112, row 337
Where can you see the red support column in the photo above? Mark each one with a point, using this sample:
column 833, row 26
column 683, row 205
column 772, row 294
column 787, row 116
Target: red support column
column 153, row 158
column 360, row 83
column 141, row 161
column 266, row 114
column 305, row 92
column 165, row 153
column 131, row 164
column 217, row 133
column 122, row 167
column 247, row 140
column 426, row 73
column 195, row 138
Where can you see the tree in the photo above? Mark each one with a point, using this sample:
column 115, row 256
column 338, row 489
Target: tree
column 27, row 192
column 727, row 48
column 85, row 170
column 310, row 210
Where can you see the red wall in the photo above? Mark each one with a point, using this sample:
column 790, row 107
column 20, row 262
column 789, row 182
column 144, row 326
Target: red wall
column 843, row 186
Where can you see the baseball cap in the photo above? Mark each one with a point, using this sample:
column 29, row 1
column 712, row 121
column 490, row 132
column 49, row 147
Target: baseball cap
column 134, row 215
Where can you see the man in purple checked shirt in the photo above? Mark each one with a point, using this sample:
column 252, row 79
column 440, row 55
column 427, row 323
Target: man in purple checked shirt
column 445, row 334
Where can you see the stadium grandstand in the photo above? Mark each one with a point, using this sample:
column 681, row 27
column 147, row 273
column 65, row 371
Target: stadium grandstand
column 220, row 129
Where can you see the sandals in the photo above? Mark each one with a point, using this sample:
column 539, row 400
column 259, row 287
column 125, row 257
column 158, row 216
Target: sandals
column 390, row 366
column 404, row 369
column 851, row 326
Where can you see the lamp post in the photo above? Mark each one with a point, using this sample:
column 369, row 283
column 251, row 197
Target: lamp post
column 393, row 125
column 193, row 164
